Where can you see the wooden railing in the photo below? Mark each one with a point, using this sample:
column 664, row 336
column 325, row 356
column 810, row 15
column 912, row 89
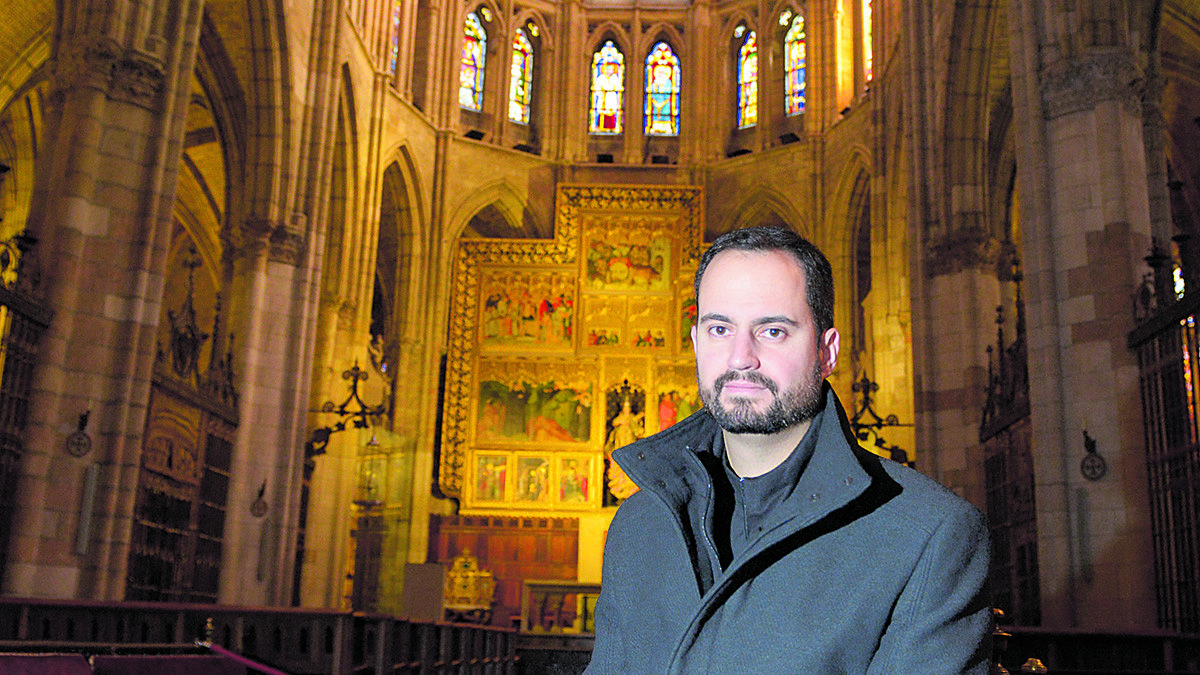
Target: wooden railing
column 556, row 629
column 565, row 607
column 299, row 641
column 1078, row 652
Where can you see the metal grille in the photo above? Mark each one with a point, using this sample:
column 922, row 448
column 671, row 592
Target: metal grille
column 22, row 322
column 1169, row 364
column 1012, row 516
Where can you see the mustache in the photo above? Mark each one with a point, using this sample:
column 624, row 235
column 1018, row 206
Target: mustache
column 754, row 378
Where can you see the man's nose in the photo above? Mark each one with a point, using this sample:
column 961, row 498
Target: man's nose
column 745, row 353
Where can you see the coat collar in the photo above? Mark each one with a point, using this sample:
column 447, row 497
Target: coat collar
column 668, row 465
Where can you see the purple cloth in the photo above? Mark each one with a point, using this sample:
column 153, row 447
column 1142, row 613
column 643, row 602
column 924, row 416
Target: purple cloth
column 165, row 665
column 44, row 664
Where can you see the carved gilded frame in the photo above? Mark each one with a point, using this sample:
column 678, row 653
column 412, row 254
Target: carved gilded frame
column 526, row 372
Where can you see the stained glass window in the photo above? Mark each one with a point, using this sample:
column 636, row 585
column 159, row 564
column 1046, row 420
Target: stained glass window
column 608, row 90
column 747, row 77
column 520, row 87
column 470, row 76
column 396, row 35
column 662, row 91
column 794, row 59
column 868, row 58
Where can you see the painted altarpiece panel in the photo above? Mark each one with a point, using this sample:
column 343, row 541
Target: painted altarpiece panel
column 533, row 479
column 543, row 332
column 526, row 308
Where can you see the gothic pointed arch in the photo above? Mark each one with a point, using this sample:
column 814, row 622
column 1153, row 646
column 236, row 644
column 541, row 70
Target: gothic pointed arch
column 859, row 211
column 847, row 231
column 740, row 96
column 473, row 59
column 342, row 240
column 258, row 33
column 496, row 210
column 21, row 128
column 979, row 27
column 765, row 206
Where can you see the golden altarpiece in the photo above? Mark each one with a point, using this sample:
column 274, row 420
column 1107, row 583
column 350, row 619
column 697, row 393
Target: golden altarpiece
column 562, row 350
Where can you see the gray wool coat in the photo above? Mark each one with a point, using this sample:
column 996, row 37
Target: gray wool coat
column 867, row 566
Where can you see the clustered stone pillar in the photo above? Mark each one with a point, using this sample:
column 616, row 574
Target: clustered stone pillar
column 1083, row 182
column 102, row 207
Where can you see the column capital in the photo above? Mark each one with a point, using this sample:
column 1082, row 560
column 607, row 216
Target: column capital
column 102, row 64
column 87, row 62
column 287, row 240
column 961, row 250
column 137, row 79
column 1082, row 83
column 281, row 241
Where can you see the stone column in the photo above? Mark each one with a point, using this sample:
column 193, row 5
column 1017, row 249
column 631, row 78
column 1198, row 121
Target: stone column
column 102, row 207
column 273, row 293
column 1083, row 182
column 279, row 217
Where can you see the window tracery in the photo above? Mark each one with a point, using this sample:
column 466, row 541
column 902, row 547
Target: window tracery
column 795, row 56
column 520, row 91
column 747, row 78
column 394, row 58
column 662, row 91
column 608, row 90
column 474, row 54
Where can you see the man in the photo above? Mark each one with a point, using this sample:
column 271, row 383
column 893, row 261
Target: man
column 764, row 539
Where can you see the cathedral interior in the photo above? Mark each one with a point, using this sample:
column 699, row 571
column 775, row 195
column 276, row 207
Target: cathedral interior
column 304, row 299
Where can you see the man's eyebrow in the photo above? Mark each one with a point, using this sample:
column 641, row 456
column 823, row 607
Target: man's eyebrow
column 778, row 318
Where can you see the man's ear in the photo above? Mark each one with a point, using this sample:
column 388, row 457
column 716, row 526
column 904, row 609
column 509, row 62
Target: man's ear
column 831, row 344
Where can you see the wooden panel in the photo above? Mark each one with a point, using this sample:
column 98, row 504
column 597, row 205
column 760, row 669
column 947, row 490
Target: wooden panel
column 512, row 549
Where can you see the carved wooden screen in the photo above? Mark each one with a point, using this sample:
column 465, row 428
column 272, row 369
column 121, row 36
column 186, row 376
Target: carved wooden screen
column 1012, row 517
column 562, row 350
column 179, row 520
column 1009, row 474
column 187, row 458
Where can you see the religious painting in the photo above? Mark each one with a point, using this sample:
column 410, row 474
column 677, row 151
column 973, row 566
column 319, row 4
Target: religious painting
column 625, row 422
column 526, row 308
column 533, row 479
column 674, row 406
column 628, row 254
column 676, row 393
column 648, row 321
column 534, row 402
column 491, row 473
column 689, row 311
column 604, row 319
column 574, row 479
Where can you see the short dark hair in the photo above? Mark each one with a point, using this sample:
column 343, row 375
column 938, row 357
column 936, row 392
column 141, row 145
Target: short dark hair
column 818, row 274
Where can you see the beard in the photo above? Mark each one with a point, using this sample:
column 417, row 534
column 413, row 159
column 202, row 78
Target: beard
column 796, row 405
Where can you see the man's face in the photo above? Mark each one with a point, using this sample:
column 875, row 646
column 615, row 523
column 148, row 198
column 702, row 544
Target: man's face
column 759, row 359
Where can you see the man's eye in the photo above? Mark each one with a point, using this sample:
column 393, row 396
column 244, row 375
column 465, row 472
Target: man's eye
column 718, row 330
column 774, row 333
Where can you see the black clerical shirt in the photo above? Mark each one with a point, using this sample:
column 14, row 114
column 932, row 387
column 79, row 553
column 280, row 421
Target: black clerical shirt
column 744, row 506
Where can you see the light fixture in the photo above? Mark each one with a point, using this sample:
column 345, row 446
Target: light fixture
column 353, row 412
column 865, row 422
